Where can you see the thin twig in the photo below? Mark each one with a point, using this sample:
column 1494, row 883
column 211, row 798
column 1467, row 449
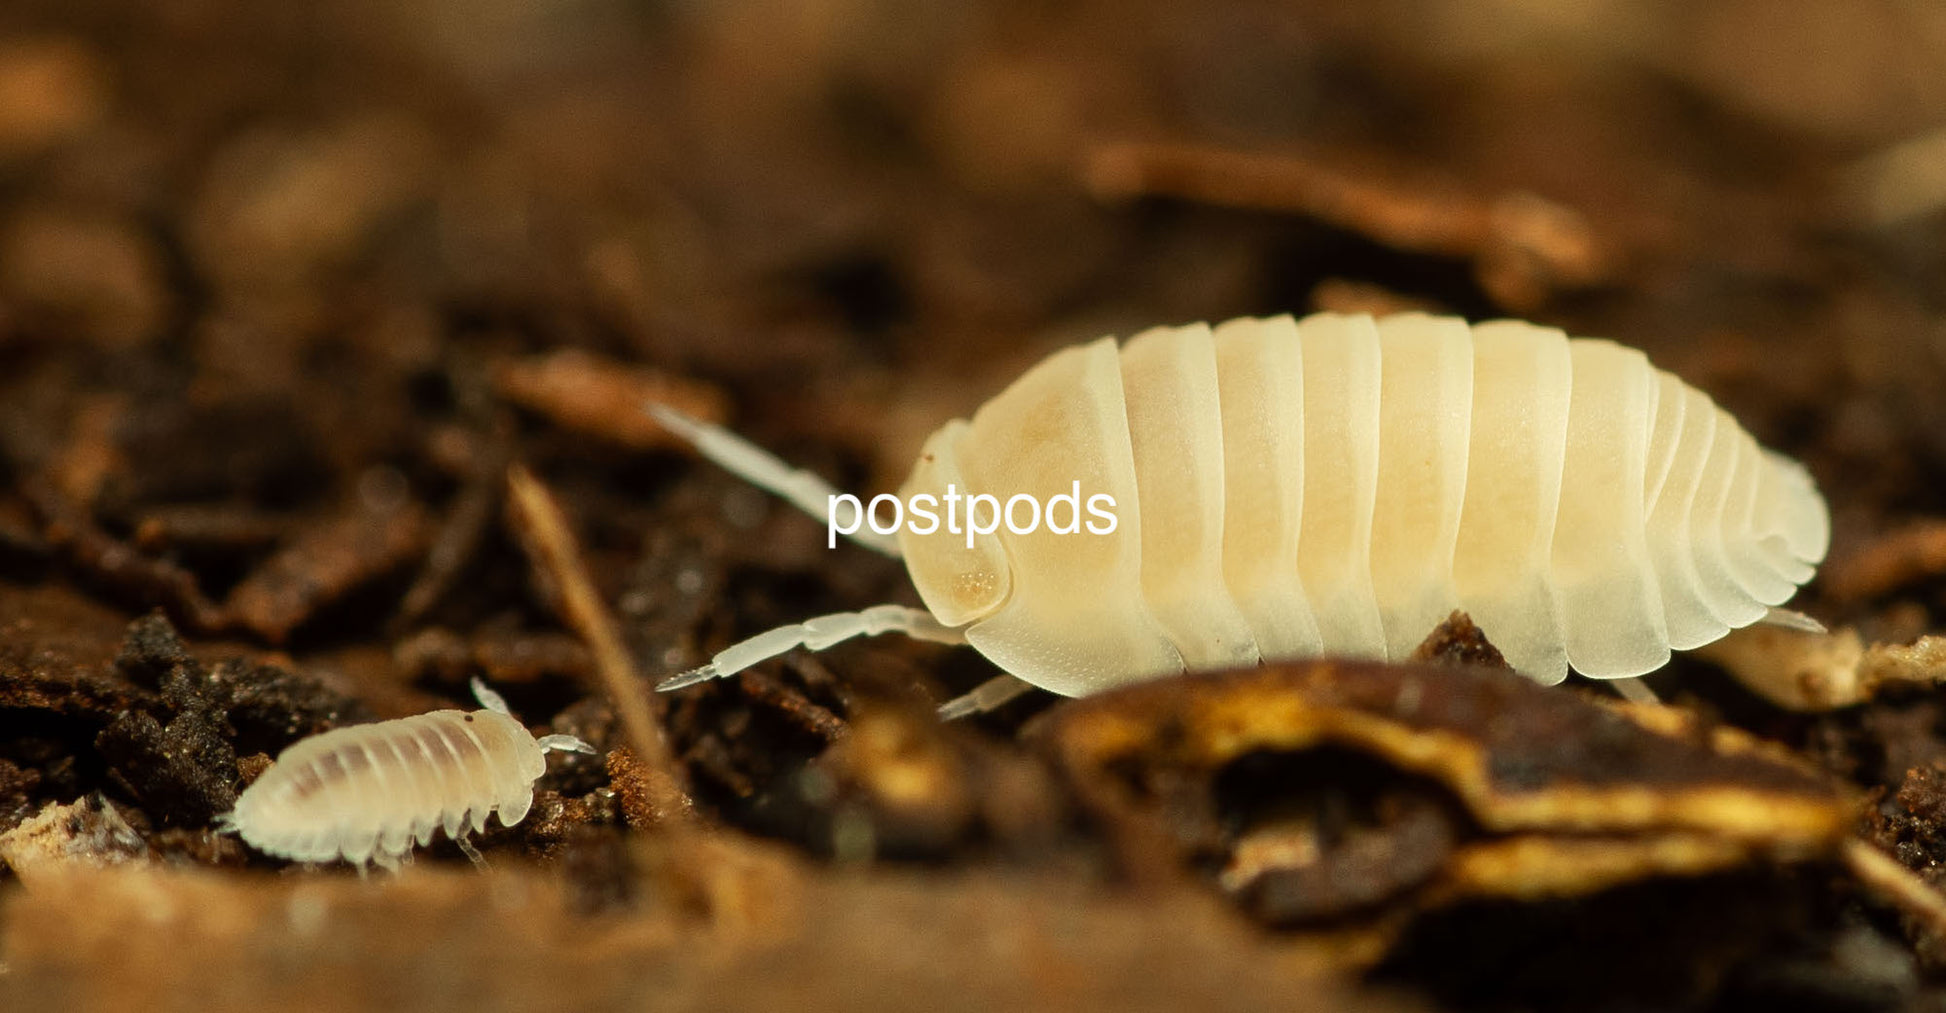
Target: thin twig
column 123, row 570
column 460, row 534
column 1429, row 217
column 553, row 549
column 1896, row 885
column 1523, row 246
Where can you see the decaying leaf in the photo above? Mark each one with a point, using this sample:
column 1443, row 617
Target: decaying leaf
column 1325, row 788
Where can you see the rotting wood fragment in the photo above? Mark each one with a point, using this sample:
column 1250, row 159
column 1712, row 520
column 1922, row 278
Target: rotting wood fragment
column 802, row 711
column 89, row 833
column 442, row 656
column 326, row 563
column 1902, row 556
column 1524, row 248
column 53, row 649
column 224, row 529
column 587, row 394
column 119, row 568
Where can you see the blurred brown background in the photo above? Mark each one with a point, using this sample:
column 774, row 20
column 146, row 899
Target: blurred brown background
column 285, row 288
column 831, row 200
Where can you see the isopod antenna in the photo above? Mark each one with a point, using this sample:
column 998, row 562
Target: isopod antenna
column 818, row 634
column 802, row 489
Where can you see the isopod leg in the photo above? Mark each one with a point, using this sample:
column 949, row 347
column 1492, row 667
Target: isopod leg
column 385, row 860
column 818, row 634
column 564, row 744
column 472, row 852
column 989, row 695
column 1634, row 690
column 1792, row 620
column 761, row 468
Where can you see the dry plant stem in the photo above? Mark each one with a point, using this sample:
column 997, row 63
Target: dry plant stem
column 585, row 393
column 1891, row 561
column 325, row 563
column 554, row 550
column 1442, row 221
column 1896, row 885
column 73, row 534
column 1524, row 246
column 453, row 547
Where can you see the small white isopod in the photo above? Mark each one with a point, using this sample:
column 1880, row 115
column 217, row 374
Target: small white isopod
column 367, row 792
column 1335, row 485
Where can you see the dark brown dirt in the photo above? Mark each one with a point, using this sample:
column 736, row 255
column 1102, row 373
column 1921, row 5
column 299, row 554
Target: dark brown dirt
column 287, row 292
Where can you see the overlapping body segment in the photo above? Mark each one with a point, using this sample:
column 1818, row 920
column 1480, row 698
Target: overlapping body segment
column 1176, row 437
column 1516, row 441
column 1260, row 387
column 1338, row 485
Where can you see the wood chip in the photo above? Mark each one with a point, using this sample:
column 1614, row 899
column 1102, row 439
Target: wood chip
column 585, row 393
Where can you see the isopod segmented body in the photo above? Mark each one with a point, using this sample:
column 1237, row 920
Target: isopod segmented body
column 1338, row 485
column 368, row 792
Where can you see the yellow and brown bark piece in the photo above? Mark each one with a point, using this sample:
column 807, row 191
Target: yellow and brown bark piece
column 1320, row 788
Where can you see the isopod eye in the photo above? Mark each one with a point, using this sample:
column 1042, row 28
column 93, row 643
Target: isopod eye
column 961, row 576
column 974, row 588
column 958, row 585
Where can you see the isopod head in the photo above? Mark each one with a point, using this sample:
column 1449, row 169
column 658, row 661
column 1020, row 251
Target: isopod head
column 1058, row 436
column 962, row 578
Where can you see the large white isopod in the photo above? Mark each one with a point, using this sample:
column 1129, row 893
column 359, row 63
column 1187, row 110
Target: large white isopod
column 1335, row 485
